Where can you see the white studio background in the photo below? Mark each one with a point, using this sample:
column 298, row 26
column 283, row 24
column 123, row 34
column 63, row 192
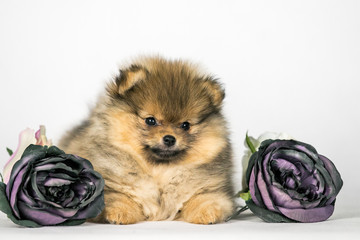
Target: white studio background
column 287, row 66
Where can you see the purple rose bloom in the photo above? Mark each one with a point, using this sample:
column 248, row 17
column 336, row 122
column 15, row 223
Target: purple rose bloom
column 290, row 182
column 49, row 187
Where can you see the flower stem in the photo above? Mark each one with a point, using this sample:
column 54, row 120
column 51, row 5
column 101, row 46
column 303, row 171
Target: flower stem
column 240, row 210
column 243, row 209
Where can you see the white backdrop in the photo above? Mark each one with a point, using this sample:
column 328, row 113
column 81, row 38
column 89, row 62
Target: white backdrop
column 288, row 66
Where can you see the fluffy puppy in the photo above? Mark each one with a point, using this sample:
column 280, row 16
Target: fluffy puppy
column 161, row 143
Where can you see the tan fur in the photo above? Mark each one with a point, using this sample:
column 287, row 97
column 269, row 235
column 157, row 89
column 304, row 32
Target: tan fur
column 195, row 184
column 207, row 209
column 131, row 79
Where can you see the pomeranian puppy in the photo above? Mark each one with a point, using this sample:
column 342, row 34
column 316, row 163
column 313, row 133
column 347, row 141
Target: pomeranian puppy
column 160, row 141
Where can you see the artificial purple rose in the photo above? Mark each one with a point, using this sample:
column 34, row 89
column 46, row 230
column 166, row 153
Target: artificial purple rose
column 290, row 182
column 48, row 187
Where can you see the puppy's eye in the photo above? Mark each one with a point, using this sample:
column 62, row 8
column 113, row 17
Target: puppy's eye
column 185, row 126
column 150, row 121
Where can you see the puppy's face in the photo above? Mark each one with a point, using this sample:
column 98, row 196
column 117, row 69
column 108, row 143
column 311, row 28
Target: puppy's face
column 172, row 104
column 165, row 141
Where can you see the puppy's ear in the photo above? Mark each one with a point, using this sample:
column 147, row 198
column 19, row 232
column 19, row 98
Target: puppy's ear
column 127, row 79
column 215, row 91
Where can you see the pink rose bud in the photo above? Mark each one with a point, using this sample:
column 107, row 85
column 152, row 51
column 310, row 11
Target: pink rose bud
column 26, row 137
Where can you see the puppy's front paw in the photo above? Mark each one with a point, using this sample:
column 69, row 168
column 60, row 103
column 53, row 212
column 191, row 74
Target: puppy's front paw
column 123, row 211
column 123, row 215
column 204, row 209
column 204, row 215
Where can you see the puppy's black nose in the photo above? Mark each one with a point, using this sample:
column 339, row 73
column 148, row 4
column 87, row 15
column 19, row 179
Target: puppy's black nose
column 169, row 140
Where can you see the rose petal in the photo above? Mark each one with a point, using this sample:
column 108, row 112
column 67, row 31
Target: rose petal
column 251, row 165
column 68, row 175
column 39, row 216
column 50, row 182
column 24, row 196
column 49, row 163
column 320, row 182
column 308, row 215
column 13, row 193
column 54, row 151
column 285, row 165
column 252, row 188
column 296, row 158
column 26, row 138
column 68, row 200
column 40, row 136
column 86, row 164
column 82, row 190
column 19, row 171
column 265, row 168
column 273, row 136
column 98, row 182
column 92, row 209
column 267, row 215
column 329, row 188
column 335, row 175
column 307, row 149
column 41, row 166
column 282, row 198
column 63, row 212
column 266, row 198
